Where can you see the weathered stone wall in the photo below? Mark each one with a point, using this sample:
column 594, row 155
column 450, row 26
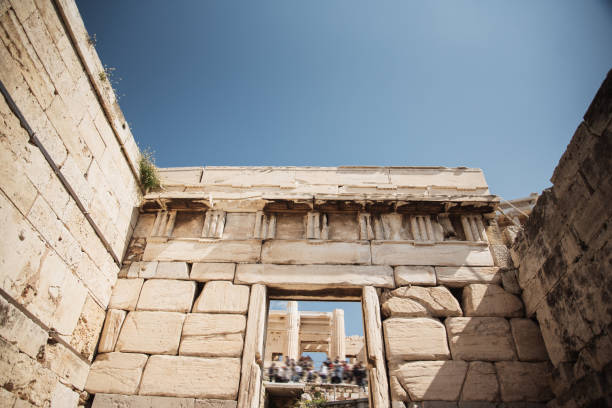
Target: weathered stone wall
column 565, row 260
column 56, row 270
column 464, row 341
column 336, row 392
column 184, row 325
column 187, row 316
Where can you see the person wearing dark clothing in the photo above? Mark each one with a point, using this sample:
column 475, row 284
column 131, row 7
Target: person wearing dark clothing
column 359, row 373
column 272, row 372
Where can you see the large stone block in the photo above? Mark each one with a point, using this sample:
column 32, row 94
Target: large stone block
column 403, row 307
column 151, row 332
column 25, row 376
column 415, row 275
column 70, row 367
column 479, row 338
column 528, row 340
column 437, row 301
column 491, row 300
column 524, row 381
column 552, row 333
column 169, row 270
column 315, row 252
column 58, row 296
column 140, row 401
column 248, row 176
column 166, row 295
column 144, row 225
column 501, row 256
column 304, row 277
column 409, row 253
column 204, row 272
column 20, row 330
column 6, row 398
column 21, row 253
column 222, row 297
column 116, row 373
column 398, row 393
column 98, row 279
column 415, row 339
column 86, row 334
column 533, row 296
column 431, row 380
column 142, row 269
column 213, row 335
column 203, row 250
column 510, row 281
column 460, row 276
column 125, row 294
column 110, row 331
column 63, row 396
column 13, row 180
column 180, row 376
column 480, row 383
column 42, row 216
column 214, row 403
column 445, row 178
column 181, row 175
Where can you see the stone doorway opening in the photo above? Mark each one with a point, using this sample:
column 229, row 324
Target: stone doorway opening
column 315, row 350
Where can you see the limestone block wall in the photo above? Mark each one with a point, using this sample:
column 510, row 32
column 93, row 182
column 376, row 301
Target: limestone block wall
column 68, row 194
column 168, row 335
column 564, row 261
column 187, row 317
column 475, row 345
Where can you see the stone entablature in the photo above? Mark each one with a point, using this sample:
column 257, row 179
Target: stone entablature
column 286, row 181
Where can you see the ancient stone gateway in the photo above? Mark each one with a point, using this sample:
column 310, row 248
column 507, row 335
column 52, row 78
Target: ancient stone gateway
column 418, row 247
column 161, row 298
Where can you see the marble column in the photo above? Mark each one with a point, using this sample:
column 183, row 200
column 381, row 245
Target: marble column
column 293, row 331
column 338, row 346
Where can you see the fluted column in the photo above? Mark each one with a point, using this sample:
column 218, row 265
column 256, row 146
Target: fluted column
column 338, row 346
column 293, row 330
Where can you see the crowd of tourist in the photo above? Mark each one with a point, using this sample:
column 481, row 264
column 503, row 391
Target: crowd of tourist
column 334, row 372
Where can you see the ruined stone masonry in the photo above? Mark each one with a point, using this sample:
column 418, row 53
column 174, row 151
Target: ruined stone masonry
column 564, row 258
column 187, row 316
column 116, row 297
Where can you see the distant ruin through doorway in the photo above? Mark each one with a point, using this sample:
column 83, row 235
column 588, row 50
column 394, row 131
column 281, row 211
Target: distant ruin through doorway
column 305, row 342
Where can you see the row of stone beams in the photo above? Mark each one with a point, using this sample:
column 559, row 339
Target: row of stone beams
column 385, row 226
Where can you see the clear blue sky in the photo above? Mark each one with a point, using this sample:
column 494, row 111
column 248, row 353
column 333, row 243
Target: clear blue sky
column 500, row 85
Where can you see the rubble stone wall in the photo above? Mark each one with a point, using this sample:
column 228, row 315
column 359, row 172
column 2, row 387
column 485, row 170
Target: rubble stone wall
column 56, row 271
column 565, row 261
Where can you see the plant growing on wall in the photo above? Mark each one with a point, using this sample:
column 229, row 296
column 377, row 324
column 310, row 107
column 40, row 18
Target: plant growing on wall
column 148, row 172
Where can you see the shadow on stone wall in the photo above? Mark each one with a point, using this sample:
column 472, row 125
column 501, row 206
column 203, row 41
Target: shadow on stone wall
column 565, row 262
